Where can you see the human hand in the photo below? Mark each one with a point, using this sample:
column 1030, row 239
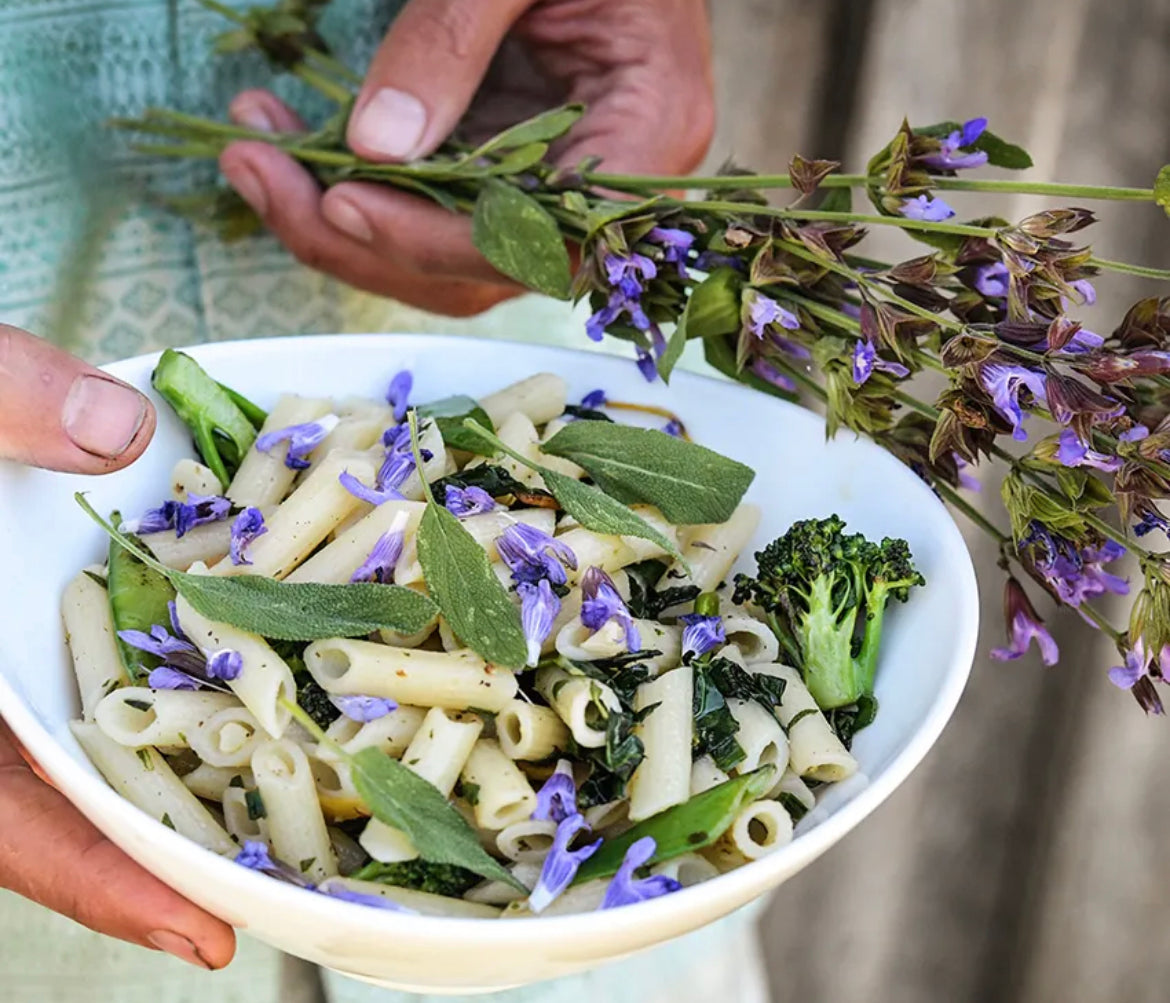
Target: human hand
column 642, row 68
column 57, row 412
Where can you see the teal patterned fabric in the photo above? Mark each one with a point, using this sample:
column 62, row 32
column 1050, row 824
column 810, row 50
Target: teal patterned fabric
column 66, row 67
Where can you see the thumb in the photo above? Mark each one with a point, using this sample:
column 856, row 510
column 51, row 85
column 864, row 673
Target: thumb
column 57, row 412
column 51, row 854
column 425, row 74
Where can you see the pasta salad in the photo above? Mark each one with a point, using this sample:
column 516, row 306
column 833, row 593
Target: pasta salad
column 473, row 658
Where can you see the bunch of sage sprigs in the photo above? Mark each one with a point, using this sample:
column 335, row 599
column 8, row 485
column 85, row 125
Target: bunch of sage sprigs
column 783, row 301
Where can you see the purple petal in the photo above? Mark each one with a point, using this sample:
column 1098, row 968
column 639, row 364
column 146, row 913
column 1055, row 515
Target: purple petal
column 302, row 439
column 601, row 603
column 560, row 866
column 646, row 364
column 701, row 633
column 366, row 494
column 1135, row 434
column 973, row 128
column 539, row 607
column 225, row 664
column 166, row 678
column 532, row 554
column 361, row 898
column 992, row 280
column 673, row 427
column 398, row 394
column 594, row 399
column 931, row 210
column 864, row 356
column 363, row 708
column 625, row 889
column 379, row 564
column 557, row 798
column 248, row 525
column 1005, row 383
column 255, row 856
column 770, row 374
column 463, row 502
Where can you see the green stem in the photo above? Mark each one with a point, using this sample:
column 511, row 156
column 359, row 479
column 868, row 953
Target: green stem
column 1120, row 266
column 817, row 215
column 321, row 83
column 1099, row 621
column 412, row 421
column 331, row 65
column 634, row 182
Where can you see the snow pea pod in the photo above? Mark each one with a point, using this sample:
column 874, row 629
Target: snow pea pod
column 684, row 828
column 138, row 601
column 220, row 420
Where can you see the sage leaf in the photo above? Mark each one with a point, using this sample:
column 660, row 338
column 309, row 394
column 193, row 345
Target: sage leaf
column 450, row 413
column 402, row 799
column 542, row 128
column 1162, row 189
column 285, row 611
column 674, row 347
column 461, row 580
column 688, row 483
column 714, row 308
column 518, row 160
column 720, row 354
column 1000, row 153
column 684, row 828
column 519, row 238
column 590, row 506
column 597, row 511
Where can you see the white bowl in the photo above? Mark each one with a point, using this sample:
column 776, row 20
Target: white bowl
column 926, row 655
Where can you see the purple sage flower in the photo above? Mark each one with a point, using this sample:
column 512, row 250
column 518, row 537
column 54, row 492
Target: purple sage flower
column 531, row 555
column 367, row 494
column 557, row 798
column 1024, row 626
column 601, row 603
column 866, row 362
column 398, row 394
column 770, row 374
column 646, row 364
column 1074, row 574
column 539, row 607
column 966, row 480
column 594, row 399
column 1149, row 519
column 302, row 440
column 950, row 156
column 225, row 664
column 399, row 462
column 180, row 516
column 625, row 275
column 675, row 244
column 560, row 866
column 765, row 311
column 1004, row 383
column 1137, row 673
column 167, row 678
column 992, row 280
column 1072, row 452
column 673, row 427
column 700, row 634
column 256, row 857
column 362, row 708
column 927, row 209
column 1135, row 434
column 379, row 564
column 248, row 525
column 1085, row 289
column 626, row 889
column 463, row 502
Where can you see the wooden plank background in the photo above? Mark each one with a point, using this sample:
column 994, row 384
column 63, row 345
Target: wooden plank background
column 1025, row 861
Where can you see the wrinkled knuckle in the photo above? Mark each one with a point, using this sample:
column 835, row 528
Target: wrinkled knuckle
column 445, row 26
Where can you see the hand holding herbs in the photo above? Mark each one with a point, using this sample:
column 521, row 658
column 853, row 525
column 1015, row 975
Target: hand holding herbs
column 785, row 299
column 463, row 657
column 646, row 77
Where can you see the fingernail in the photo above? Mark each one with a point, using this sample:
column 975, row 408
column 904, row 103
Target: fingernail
column 102, row 416
column 253, row 116
column 348, row 218
column 179, row 946
column 391, row 123
column 245, row 181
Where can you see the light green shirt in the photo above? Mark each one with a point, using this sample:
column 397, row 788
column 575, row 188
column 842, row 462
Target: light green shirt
column 66, row 66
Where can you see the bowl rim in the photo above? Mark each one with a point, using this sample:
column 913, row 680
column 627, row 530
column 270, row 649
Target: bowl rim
column 738, row 885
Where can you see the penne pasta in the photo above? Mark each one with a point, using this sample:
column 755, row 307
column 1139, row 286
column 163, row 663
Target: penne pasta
column 581, row 703
column 663, row 778
column 89, row 633
column 529, row 731
column 503, row 794
column 540, row 398
column 264, row 478
column 190, row 477
column 137, row 716
column 455, row 680
column 296, row 825
column 815, row 750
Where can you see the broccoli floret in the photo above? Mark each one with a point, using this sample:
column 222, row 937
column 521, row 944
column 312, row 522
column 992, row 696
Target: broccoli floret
column 438, row 879
column 825, row 592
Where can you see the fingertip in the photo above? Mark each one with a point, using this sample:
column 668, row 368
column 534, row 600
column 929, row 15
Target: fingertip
column 264, row 111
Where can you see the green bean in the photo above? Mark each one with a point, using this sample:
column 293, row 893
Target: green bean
column 138, row 601
column 223, row 429
column 684, row 828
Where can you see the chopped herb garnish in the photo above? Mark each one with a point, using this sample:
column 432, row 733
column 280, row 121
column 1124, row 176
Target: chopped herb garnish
column 438, row 879
column 143, row 705
column 585, row 413
column 307, row 863
column 99, row 579
column 166, row 820
column 798, row 716
column 255, row 805
column 145, row 758
column 471, row 794
column 715, row 727
column 646, row 601
column 793, row 805
column 236, row 781
column 848, row 721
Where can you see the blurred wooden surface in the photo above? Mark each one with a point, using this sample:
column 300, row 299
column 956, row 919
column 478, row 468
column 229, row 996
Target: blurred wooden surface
column 1024, row 861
